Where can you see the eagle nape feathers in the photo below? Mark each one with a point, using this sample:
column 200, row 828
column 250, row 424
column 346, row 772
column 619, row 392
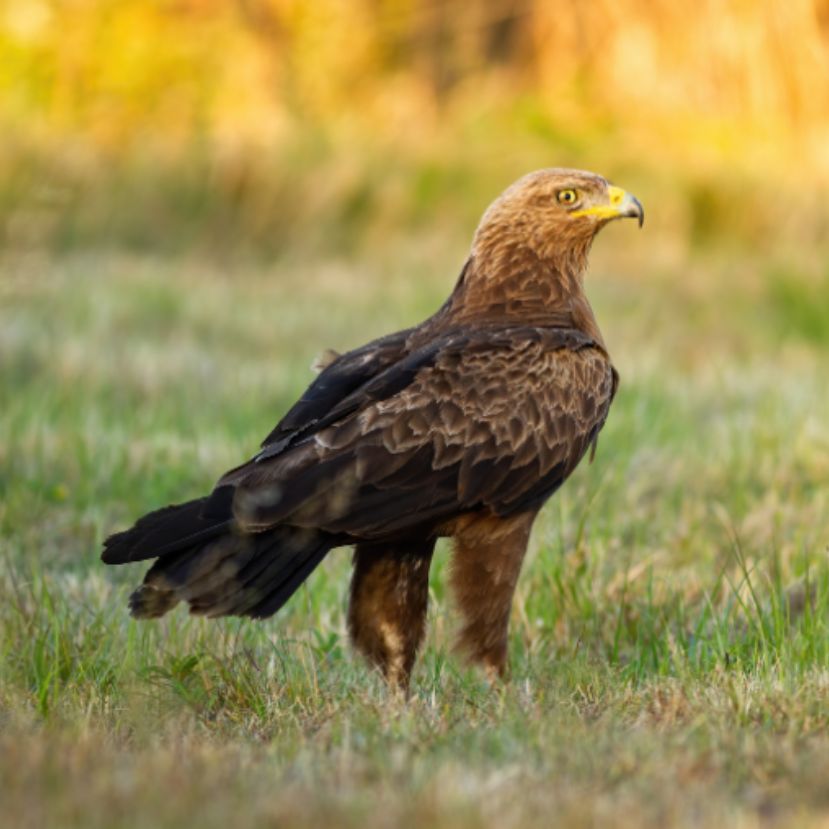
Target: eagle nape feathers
column 461, row 427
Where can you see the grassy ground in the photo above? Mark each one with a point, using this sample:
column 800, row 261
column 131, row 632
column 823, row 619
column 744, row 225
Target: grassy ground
column 670, row 637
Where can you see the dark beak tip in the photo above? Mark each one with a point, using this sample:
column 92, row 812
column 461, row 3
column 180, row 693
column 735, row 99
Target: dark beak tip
column 640, row 211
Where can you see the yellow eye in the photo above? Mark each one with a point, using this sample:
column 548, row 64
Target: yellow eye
column 566, row 196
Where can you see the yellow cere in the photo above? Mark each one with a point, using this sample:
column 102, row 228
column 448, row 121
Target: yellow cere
column 605, row 211
column 616, row 195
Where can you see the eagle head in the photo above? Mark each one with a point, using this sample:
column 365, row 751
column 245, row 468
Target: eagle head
column 555, row 213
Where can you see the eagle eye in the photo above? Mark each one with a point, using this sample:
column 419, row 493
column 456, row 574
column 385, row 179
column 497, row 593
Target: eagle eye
column 566, row 196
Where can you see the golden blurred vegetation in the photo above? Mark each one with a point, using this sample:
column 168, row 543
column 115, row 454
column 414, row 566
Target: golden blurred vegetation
column 235, row 125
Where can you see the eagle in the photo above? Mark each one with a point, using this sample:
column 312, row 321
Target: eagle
column 460, row 427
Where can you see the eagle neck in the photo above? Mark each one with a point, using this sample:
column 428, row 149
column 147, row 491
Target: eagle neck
column 523, row 288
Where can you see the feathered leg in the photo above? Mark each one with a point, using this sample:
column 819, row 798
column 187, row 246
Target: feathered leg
column 387, row 610
column 487, row 560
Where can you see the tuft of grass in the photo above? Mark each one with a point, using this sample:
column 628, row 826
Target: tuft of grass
column 669, row 638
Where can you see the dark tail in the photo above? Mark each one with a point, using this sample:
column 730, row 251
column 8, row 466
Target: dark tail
column 165, row 531
column 211, row 566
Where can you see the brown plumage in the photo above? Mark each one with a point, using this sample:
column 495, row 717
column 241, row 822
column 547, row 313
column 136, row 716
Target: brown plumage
column 462, row 426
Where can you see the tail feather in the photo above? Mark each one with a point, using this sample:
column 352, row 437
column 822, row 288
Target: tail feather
column 233, row 575
column 246, row 590
column 164, row 531
column 288, row 556
column 280, row 594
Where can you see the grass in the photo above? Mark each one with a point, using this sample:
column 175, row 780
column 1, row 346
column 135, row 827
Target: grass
column 670, row 636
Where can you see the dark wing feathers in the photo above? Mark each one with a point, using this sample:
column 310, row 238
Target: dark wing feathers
column 494, row 417
column 166, row 529
column 235, row 574
column 336, row 382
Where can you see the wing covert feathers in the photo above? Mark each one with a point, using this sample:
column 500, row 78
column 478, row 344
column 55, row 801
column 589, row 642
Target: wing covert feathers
column 493, row 418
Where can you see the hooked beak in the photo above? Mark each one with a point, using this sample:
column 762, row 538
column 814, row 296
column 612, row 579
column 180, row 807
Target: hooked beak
column 620, row 204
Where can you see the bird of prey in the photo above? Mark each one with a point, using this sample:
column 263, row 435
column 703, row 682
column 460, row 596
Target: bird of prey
column 461, row 427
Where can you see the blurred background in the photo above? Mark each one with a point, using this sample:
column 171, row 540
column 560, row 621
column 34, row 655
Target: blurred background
column 266, row 127
column 198, row 196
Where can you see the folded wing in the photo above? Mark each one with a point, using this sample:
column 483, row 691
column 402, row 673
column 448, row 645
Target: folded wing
column 495, row 418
